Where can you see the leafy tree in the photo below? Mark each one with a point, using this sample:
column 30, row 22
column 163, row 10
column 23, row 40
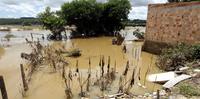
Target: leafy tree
column 84, row 14
column 92, row 18
column 53, row 22
column 115, row 11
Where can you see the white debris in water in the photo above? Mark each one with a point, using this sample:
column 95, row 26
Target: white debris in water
column 161, row 77
column 183, row 68
column 197, row 70
column 176, row 80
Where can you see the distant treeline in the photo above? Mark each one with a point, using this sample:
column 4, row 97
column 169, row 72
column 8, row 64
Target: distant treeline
column 136, row 22
column 25, row 21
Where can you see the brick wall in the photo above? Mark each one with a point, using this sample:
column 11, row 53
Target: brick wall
column 172, row 23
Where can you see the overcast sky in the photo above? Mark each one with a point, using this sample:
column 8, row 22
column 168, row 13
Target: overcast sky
column 30, row 8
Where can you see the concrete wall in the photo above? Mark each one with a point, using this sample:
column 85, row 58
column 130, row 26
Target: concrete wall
column 171, row 23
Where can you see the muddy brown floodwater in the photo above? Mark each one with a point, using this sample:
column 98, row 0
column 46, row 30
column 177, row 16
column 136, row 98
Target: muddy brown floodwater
column 2, row 51
column 46, row 85
column 9, row 69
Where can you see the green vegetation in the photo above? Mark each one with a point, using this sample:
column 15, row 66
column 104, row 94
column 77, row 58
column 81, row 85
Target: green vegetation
column 19, row 21
column 91, row 18
column 53, row 22
column 136, row 22
column 189, row 89
column 84, row 14
column 177, row 56
column 196, row 51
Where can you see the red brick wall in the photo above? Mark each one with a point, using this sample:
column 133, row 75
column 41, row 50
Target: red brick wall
column 173, row 22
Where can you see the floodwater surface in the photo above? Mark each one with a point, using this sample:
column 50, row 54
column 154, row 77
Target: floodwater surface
column 9, row 69
column 2, row 51
column 51, row 85
column 47, row 85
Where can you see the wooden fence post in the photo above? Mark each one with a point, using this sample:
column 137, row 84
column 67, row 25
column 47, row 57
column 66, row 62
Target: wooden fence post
column 158, row 94
column 25, row 85
column 3, row 88
column 32, row 36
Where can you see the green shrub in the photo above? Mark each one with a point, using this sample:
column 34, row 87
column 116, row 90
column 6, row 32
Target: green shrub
column 176, row 56
column 196, row 51
column 188, row 90
column 172, row 58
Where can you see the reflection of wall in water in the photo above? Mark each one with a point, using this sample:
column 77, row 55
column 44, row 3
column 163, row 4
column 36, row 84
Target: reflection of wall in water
column 136, row 51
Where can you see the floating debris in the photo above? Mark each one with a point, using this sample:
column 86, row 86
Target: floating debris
column 176, row 80
column 72, row 53
column 161, row 77
column 183, row 68
column 197, row 70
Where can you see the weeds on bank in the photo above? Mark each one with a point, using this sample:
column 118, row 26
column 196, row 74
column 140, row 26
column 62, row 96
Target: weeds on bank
column 188, row 89
column 177, row 56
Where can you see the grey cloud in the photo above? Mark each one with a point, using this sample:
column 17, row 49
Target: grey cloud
column 19, row 8
column 101, row 0
column 15, row 2
column 137, row 3
column 54, row 3
column 10, row 3
column 138, row 13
